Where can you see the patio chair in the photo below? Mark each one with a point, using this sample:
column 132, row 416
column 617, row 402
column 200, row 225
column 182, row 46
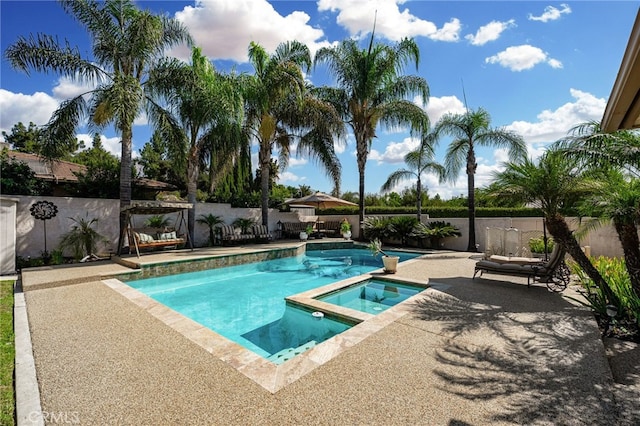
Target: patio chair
column 230, row 234
column 553, row 272
column 261, row 233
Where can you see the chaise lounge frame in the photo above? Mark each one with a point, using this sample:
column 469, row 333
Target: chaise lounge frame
column 553, row 272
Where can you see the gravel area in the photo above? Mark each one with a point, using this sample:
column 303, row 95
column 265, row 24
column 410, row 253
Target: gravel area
column 472, row 352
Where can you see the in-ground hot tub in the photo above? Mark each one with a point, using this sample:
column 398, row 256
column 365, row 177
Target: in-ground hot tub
column 372, row 295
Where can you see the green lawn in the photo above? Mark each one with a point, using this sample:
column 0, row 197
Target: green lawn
column 7, row 353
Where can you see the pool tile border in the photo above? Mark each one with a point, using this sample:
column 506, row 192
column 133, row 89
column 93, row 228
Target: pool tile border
column 270, row 376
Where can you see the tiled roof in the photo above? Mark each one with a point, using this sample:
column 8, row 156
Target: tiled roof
column 63, row 171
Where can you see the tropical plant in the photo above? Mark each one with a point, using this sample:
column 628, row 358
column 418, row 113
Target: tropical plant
column 615, row 159
column 628, row 310
column 375, row 227
column 157, row 221
column 419, row 161
column 375, row 246
column 281, row 109
column 83, row 239
column 552, row 184
column 308, row 230
column 617, row 199
column 200, row 102
column 372, row 91
column 244, row 224
column 402, row 228
column 537, row 245
column 211, row 221
column 436, row 231
column 345, row 226
column 126, row 43
column 470, row 130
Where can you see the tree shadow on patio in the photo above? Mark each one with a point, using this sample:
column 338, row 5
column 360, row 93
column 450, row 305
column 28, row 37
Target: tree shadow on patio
column 528, row 352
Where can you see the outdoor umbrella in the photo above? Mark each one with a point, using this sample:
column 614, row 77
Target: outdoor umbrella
column 320, row 200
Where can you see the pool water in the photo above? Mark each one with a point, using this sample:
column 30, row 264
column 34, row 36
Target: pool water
column 246, row 303
column 372, row 296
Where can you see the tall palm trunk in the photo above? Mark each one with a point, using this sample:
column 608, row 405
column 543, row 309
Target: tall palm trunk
column 419, row 195
column 561, row 233
column 362, row 162
column 193, row 171
column 265, row 169
column 125, row 179
column 628, row 235
column 471, row 199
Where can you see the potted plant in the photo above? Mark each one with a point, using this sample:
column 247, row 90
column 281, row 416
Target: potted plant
column 345, row 229
column 306, row 234
column 211, row 221
column 390, row 262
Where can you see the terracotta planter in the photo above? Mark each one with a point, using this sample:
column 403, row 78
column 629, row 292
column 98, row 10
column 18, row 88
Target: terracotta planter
column 390, row 264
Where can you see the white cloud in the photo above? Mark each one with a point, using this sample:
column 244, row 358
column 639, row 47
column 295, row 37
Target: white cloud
column 16, row 107
column 294, row 162
column 224, row 28
column 357, row 16
column 112, row 145
column 523, row 57
column 551, row 13
column 553, row 125
column 489, row 32
column 67, row 88
column 437, row 107
column 289, row 178
column 395, row 151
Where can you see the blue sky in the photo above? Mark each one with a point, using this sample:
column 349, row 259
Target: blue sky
column 538, row 67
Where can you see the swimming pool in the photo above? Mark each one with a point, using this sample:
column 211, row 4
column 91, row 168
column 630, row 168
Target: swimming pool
column 245, row 303
column 371, row 296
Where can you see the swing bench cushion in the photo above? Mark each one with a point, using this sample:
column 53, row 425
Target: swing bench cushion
column 162, row 239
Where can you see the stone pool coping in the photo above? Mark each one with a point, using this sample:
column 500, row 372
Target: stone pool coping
column 270, row 376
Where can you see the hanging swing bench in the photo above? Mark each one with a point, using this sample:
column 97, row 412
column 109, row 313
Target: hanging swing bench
column 145, row 238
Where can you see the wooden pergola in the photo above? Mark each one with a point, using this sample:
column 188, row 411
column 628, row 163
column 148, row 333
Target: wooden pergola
column 154, row 208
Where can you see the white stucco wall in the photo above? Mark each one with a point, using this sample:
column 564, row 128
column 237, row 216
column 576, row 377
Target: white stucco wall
column 29, row 232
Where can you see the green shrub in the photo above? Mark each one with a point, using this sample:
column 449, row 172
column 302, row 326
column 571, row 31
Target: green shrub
column 536, row 245
column 614, row 271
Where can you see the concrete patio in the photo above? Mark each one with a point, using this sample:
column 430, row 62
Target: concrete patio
column 483, row 351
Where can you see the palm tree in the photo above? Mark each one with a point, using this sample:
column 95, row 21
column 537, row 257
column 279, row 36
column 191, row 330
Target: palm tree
column 211, row 221
column 551, row 185
column 281, row 108
column 82, row 238
column 371, row 90
column 618, row 199
column 470, row 130
column 200, row 103
column 615, row 158
column 594, row 148
column 126, row 42
column 419, row 161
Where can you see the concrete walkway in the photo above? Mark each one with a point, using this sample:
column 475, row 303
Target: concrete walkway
column 472, row 352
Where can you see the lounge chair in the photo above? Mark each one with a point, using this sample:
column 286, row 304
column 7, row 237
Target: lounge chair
column 230, row 235
column 331, row 228
column 553, row 272
column 261, row 233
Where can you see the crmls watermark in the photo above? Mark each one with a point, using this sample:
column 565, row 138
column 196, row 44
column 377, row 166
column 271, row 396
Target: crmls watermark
column 55, row 417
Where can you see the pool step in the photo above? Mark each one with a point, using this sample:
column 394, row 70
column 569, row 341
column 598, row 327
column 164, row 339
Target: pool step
column 288, row 353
